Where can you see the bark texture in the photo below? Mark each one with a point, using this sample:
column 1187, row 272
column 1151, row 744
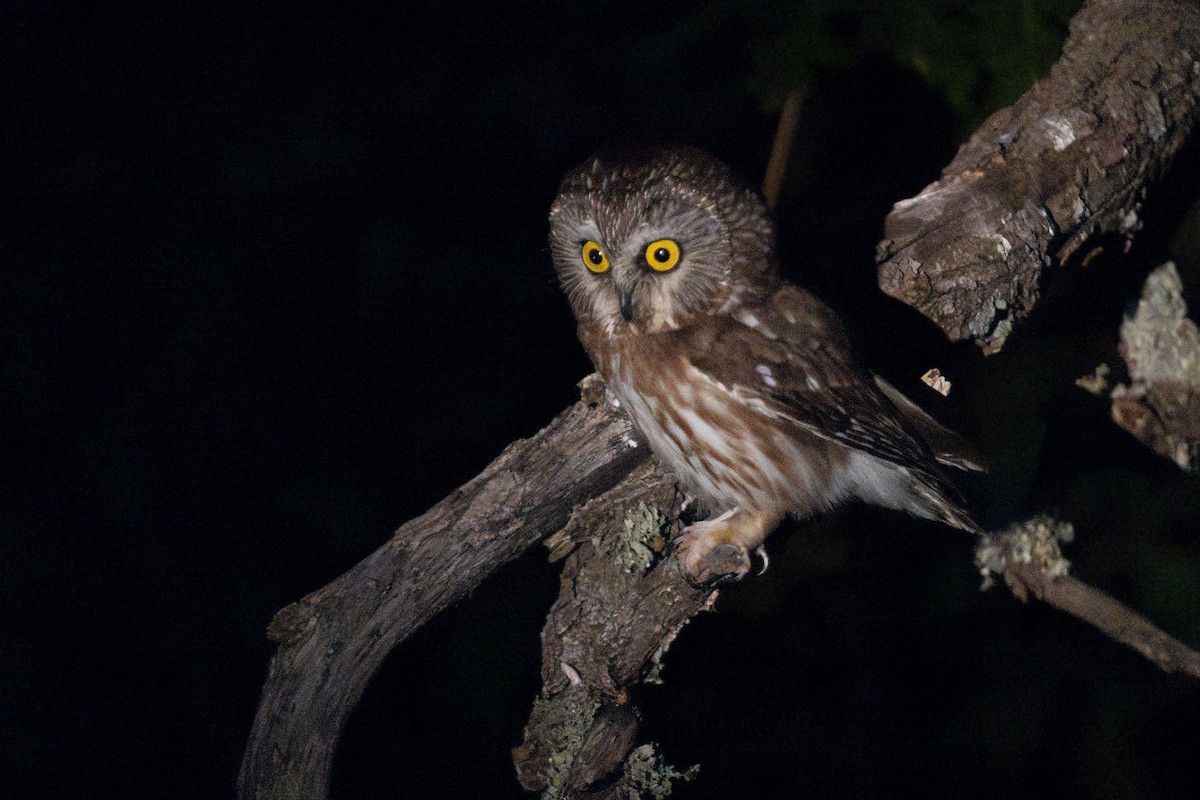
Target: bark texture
column 332, row 641
column 1160, row 405
column 619, row 608
column 1070, row 159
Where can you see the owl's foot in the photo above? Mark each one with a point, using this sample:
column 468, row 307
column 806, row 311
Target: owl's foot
column 719, row 549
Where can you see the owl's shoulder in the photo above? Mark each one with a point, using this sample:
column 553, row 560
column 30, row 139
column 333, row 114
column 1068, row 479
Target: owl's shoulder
column 790, row 331
column 790, row 358
column 798, row 317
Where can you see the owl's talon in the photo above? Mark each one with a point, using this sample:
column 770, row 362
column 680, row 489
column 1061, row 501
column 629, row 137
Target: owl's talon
column 761, row 552
column 725, row 562
column 718, row 549
column 707, row 554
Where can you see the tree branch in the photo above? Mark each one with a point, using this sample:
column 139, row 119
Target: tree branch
column 333, row 640
column 1160, row 405
column 619, row 608
column 1068, row 160
column 1029, row 558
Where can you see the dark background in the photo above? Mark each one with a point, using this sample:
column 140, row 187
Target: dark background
column 273, row 281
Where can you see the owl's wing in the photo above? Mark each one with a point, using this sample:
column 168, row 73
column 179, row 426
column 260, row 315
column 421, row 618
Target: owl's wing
column 791, row 355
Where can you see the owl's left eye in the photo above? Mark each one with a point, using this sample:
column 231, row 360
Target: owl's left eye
column 662, row 255
column 593, row 257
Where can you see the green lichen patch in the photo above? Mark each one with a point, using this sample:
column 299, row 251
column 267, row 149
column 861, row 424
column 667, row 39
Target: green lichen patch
column 653, row 777
column 1035, row 541
column 639, row 540
column 566, row 723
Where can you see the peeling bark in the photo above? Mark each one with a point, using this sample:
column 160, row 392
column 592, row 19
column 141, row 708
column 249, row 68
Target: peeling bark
column 1161, row 347
column 1070, row 159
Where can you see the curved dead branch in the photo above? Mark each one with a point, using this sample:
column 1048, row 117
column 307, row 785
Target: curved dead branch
column 1069, row 159
column 332, row 641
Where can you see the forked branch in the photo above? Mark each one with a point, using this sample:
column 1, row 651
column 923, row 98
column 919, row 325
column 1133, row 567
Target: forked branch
column 332, row 641
column 1069, row 158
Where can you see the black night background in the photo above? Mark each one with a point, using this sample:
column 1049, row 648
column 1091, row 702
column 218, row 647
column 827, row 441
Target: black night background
column 273, row 280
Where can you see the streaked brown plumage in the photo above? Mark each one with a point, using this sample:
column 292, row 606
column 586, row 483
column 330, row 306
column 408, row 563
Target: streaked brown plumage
column 744, row 385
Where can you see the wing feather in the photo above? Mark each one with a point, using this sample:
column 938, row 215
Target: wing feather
column 791, row 357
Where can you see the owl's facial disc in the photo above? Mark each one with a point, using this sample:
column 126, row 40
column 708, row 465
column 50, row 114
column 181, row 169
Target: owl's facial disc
column 657, row 241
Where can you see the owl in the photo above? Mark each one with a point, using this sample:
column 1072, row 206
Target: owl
column 743, row 385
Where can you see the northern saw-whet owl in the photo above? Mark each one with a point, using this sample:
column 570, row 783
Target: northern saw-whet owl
column 744, row 385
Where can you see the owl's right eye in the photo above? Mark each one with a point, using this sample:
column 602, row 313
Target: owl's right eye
column 594, row 258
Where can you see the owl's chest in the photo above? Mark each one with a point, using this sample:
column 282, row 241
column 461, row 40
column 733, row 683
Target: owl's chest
column 719, row 446
column 672, row 405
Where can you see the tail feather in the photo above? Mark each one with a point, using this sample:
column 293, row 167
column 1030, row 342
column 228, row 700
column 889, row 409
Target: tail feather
column 943, row 502
column 947, row 446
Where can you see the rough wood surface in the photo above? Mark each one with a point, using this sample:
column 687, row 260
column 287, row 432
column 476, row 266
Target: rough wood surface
column 1070, row 159
column 1160, row 344
column 332, row 641
column 619, row 608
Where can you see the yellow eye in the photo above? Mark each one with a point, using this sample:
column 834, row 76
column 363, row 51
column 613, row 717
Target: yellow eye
column 663, row 255
column 594, row 258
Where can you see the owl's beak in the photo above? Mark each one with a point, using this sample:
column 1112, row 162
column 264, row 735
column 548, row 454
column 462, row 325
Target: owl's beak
column 626, row 304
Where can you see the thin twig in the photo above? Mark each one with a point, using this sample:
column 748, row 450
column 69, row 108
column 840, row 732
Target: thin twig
column 781, row 148
column 1030, row 559
column 1110, row 616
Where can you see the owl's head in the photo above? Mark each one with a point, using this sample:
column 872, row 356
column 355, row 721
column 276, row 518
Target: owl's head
column 653, row 241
